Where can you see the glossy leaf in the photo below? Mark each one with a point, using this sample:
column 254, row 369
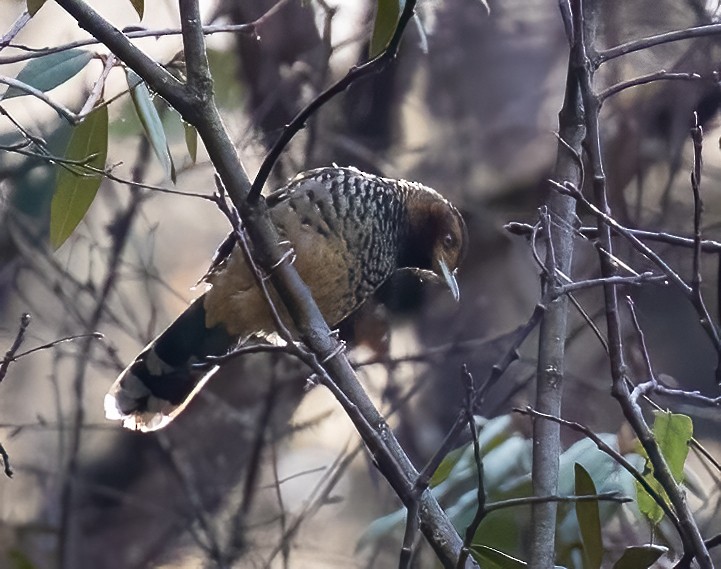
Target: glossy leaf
column 646, row 503
column 191, row 141
column 34, row 6
column 381, row 528
column 139, row 6
column 77, row 185
column 673, row 433
column 47, row 72
column 150, row 119
column 18, row 560
column 387, row 15
column 640, row 556
column 589, row 519
column 490, row 558
column 446, row 466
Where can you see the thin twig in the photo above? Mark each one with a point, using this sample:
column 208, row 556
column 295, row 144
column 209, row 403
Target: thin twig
column 481, row 510
column 122, row 226
column 62, row 110
column 690, row 397
column 10, row 355
column 651, row 41
column 34, row 53
column 15, row 29
column 409, row 536
column 373, row 66
column 635, row 280
column 81, row 167
column 707, row 245
column 210, row 361
column 714, row 541
column 642, row 341
column 95, row 335
column 515, row 502
column 662, row 75
column 612, row 224
column 281, row 506
column 7, row 469
column 696, row 279
column 97, row 91
column 132, row 32
column 204, row 530
column 614, row 454
column 497, row 371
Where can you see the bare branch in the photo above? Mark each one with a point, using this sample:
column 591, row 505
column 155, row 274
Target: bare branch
column 19, row 337
column 707, row 245
column 63, row 111
column 15, row 29
column 7, row 469
column 515, row 502
column 645, row 79
column 481, row 510
column 409, row 536
column 635, row 280
column 651, row 41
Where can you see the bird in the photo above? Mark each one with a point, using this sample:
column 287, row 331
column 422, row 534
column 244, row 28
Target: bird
column 350, row 231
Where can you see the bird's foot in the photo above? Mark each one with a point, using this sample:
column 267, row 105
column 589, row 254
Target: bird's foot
column 289, row 254
column 311, row 381
column 339, row 349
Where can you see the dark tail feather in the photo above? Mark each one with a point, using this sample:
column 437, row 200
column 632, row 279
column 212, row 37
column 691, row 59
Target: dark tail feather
column 160, row 382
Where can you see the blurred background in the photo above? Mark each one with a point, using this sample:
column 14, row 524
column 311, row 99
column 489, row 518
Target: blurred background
column 260, row 471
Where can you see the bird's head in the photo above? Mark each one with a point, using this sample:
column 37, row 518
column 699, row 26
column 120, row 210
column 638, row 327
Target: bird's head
column 437, row 238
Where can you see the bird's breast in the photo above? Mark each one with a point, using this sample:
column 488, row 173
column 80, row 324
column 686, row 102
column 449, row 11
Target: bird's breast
column 323, row 259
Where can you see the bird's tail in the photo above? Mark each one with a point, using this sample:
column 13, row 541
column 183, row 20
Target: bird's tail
column 162, row 379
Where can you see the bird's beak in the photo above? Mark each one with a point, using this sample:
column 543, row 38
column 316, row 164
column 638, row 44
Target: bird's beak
column 450, row 280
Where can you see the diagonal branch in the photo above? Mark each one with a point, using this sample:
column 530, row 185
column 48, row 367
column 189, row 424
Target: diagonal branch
column 200, row 110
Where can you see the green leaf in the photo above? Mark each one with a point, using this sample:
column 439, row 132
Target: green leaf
column 589, row 520
column 672, row 433
column 77, row 186
column 34, row 6
column 191, row 140
column 646, row 503
column 446, row 466
column 490, row 558
column 49, row 71
column 139, row 6
column 639, row 556
column 150, row 119
column 381, row 528
column 18, row 560
column 229, row 92
column 387, row 14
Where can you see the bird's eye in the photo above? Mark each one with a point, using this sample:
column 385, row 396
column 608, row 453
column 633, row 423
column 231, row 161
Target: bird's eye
column 448, row 241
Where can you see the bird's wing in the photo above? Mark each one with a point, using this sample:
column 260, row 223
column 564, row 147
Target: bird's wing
column 226, row 247
column 220, row 256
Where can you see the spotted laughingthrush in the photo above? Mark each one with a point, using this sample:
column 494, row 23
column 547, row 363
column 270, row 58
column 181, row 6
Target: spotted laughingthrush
column 350, row 232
